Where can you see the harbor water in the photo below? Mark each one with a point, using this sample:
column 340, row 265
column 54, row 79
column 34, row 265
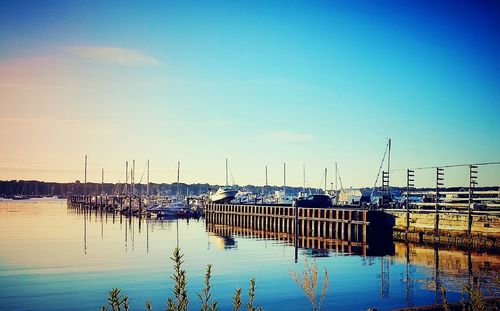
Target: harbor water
column 55, row 258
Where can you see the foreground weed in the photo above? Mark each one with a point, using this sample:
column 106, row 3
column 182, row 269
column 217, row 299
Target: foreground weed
column 308, row 280
column 206, row 295
column 117, row 302
column 180, row 287
column 237, row 300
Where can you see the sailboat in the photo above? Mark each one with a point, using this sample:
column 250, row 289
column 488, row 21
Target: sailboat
column 176, row 207
column 224, row 194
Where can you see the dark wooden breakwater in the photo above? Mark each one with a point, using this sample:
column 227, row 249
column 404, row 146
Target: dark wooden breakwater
column 373, row 228
column 376, row 228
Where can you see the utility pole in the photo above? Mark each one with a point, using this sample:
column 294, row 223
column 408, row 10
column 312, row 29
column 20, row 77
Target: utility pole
column 472, row 185
column 439, row 183
column 385, row 188
column 410, row 175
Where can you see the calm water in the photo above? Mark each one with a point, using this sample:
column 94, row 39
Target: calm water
column 53, row 258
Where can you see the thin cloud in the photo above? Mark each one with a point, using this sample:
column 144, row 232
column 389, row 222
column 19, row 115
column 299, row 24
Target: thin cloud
column 287, row 136
column 113, row 55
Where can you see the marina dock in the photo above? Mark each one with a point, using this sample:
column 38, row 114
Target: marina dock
column 477, row 229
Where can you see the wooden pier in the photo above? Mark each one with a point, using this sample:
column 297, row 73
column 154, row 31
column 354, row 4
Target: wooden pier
column 352, row 225
column 130, row 205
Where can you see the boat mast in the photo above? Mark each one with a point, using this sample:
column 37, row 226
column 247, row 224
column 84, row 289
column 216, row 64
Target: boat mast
column 266, row 190
column 132, row 177
column 304, row 178
column 284, row 179
column 85, row 178
column 178, row 172
column 326, row 170
column 147, row 186
column 389, row 167
column 126, row 178
column 336, row 173
column 102, row 181
column 387, row 148
column 227, row 184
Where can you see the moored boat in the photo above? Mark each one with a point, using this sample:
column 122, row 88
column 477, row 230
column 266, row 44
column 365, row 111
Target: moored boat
column 224, row 195
column 175, row 209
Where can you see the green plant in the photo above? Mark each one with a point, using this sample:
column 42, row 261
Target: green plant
column 180, row 287
column 205, row 296
column 308, row 280
column 116, row 301
column 237, row 300
column 251, row 297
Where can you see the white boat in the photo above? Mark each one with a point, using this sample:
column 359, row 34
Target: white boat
column 349, row 196
column 175, row 209
column 282, row 198
column 224, row 195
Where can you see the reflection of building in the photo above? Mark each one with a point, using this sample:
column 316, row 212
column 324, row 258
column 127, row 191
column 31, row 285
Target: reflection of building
column 450, row 267
column 224, row 241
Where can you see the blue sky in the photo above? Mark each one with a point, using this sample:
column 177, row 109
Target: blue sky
column 309, row 83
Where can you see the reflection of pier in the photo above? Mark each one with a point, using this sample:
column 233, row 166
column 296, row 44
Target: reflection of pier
column 340, row 246
column 130, row 226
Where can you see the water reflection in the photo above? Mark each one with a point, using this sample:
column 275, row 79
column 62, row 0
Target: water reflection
column 425, row 266
column 449, row 267
column 320, row 247
column 50, row 250
column 224, row 242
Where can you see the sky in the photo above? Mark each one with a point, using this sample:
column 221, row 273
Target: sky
column 261, row 83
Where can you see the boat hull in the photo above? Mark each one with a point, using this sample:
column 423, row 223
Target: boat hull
column 223, row 197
